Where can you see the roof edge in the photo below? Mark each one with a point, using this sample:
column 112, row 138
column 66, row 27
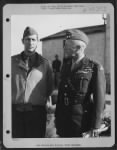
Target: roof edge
column 87, row 30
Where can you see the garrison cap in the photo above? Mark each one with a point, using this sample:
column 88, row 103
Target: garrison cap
column 75, row 34
column 29, row 31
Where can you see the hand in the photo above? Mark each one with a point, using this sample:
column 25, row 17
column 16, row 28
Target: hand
column 91, row 133
column 95, row 133
column 86, row 134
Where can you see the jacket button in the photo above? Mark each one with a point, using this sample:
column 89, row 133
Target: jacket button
column 65, row 85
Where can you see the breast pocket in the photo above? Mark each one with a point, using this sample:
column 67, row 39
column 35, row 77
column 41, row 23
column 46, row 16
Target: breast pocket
column 82, row 81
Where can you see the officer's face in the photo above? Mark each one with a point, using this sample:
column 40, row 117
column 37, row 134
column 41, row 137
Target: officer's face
column 30, row 43
column 74, row 48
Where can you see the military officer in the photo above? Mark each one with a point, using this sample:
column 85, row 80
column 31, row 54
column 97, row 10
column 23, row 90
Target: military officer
column 32, row 84
column 81, row 94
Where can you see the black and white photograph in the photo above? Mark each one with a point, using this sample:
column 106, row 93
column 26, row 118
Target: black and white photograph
column 58, row 75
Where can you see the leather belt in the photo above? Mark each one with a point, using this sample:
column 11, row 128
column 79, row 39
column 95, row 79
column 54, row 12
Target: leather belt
column 68, row 102
column 26, row 107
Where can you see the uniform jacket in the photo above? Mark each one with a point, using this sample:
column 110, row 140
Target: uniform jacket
column 31, row 85
column 81, row 92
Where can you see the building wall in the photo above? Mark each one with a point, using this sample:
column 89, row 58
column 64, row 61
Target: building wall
column 52, row 47
column 108, row 57
column 95, row 49
column 107, row 52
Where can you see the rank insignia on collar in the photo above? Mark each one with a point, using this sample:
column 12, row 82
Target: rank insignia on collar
column 68, row 35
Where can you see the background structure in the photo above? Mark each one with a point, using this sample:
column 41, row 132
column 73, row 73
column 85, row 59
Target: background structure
column 98, row 48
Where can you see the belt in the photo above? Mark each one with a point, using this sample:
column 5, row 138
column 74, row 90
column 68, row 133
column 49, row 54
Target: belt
column 27, row 107
column 68, row 102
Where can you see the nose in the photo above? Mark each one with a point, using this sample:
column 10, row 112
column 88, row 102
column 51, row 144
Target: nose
column 30, row 41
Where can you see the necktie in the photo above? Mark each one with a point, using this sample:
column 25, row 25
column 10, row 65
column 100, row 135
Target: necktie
column 73, row 65
column 27, row 63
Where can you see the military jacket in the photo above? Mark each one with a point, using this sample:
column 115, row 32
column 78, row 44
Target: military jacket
column 83, row 85
column 31, row 84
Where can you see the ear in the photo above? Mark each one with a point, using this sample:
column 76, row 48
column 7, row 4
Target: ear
column 22, row 41
column 84, row 46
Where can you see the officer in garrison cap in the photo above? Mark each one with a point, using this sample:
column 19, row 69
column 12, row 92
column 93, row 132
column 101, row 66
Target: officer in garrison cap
column 81, row 94
column 31, row 86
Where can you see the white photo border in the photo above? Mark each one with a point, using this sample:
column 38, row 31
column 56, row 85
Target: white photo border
column 52, row 8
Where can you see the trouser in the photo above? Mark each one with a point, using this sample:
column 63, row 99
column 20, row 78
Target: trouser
column 73, row 120
column 68, row 121
column 70, row 128
column 29, row 124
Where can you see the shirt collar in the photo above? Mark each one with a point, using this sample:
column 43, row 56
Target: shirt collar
column 78, row 60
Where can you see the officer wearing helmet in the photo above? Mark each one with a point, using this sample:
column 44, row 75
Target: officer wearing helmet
column 32, row 84
column 81, row 94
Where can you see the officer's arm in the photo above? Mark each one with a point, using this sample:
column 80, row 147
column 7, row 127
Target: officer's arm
column 99, row 96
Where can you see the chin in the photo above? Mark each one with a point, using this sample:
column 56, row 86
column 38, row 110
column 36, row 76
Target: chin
column 30, row 51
